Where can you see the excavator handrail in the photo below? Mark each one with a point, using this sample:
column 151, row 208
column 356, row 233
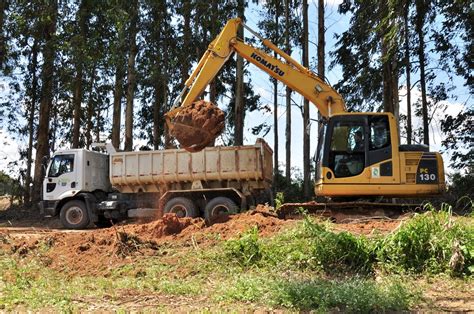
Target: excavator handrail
column 291, row 73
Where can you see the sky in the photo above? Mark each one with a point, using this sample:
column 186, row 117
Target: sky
column 335, row 24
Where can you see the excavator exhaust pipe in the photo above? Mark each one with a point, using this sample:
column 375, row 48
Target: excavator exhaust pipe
column 197, row 125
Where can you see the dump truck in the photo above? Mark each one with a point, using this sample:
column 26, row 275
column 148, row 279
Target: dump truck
column 84, row 186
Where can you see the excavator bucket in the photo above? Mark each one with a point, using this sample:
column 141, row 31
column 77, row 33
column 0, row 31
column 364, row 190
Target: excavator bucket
column 197, row 125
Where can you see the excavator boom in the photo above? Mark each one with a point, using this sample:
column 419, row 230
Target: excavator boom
column 288, row 71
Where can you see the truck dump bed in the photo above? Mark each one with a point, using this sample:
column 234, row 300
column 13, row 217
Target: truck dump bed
column 162, row 170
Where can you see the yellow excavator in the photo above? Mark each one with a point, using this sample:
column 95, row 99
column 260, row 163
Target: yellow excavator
column 359, row 154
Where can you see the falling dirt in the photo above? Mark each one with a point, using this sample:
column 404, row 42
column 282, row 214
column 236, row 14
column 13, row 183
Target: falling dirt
column 197, row 125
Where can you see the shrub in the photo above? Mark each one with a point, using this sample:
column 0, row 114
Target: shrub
column 428, row 243
column 339, row 252
column 247, row 249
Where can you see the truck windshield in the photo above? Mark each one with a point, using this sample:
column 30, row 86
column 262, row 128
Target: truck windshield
column 61, row 164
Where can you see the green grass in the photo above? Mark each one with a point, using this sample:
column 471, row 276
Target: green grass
column 309, row 267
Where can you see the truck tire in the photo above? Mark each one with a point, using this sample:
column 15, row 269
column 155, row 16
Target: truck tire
column 182, row 207
column 219, row 206
column 74, row 215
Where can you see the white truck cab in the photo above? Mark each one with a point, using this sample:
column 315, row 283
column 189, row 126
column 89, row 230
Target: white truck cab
column 74, row 177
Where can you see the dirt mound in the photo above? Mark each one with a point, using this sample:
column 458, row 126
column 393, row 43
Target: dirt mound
column 196, row 126
column 99, row 251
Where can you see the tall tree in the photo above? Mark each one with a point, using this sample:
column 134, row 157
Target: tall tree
column 3, row 43
column 406, row 33
column 79, row 47
column 33, row 91
column 321, row 69
column 239, row 84
column 389, row 33
column 48, row 18
column 275, row 100
column 422, row 7
column 288, row 98
column 131, row 76
column 306, row 140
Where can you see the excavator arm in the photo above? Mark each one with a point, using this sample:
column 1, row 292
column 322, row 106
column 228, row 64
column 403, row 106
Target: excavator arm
column 289, row 72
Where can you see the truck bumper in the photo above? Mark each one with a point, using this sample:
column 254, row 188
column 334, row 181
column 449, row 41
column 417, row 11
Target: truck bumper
column 48, row 208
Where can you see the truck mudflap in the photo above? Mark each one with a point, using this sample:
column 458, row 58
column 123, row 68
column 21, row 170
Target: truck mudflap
column 90, row 201
column 48, row 208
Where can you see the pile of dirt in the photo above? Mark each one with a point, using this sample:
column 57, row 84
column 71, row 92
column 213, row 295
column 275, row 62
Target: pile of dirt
column 98, row 251
column 197, row 125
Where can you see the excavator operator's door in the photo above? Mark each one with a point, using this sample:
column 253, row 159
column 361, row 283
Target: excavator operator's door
column 346, row 146
column 357, row 155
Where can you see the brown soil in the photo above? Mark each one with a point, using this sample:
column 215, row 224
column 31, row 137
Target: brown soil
column 100, row 251
column 197, row 125
column 97, row 251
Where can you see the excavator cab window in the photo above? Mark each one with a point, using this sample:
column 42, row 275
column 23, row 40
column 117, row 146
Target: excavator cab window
column 347, row 148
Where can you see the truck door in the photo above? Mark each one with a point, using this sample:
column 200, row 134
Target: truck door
column 61, row 176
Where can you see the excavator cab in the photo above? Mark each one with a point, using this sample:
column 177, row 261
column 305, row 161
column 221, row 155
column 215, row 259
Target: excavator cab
column 360, row 155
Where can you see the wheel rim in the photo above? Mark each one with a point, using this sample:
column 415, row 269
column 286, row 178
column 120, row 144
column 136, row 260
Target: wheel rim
column 219, row 210
column 179, row 210
column 74, row 215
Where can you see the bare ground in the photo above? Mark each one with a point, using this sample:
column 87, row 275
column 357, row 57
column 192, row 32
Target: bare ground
column 100, row 251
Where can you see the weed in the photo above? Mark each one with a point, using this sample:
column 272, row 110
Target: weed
column 279, row 200
column 426, row 243
column 339, row 252
column 128, row 244
column 353, row 295
column 247, row 249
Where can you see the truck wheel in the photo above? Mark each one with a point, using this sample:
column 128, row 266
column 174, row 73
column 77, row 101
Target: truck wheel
column 182, row 207
column 219, row 206
column 74, row 215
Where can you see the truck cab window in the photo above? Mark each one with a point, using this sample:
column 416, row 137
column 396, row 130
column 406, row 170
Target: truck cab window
column 347, row 149
column 61, row 164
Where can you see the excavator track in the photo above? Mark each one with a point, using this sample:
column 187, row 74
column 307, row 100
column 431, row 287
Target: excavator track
column 339, row 211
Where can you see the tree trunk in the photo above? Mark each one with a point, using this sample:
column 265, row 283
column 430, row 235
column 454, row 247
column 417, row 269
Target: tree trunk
column 306, row 140
column 90, row 111
column 187, row 44
column 79, row 63
column 239, row 84
column 389, row 66
column 408, row 70
column 47, row 75
column 275, row 108
column 118, row 93
column 321, row 68
column 288, row 99
column 31, row 118
column 420, row 20
column 131, row 76
column 213, row 84
column 3, row 43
